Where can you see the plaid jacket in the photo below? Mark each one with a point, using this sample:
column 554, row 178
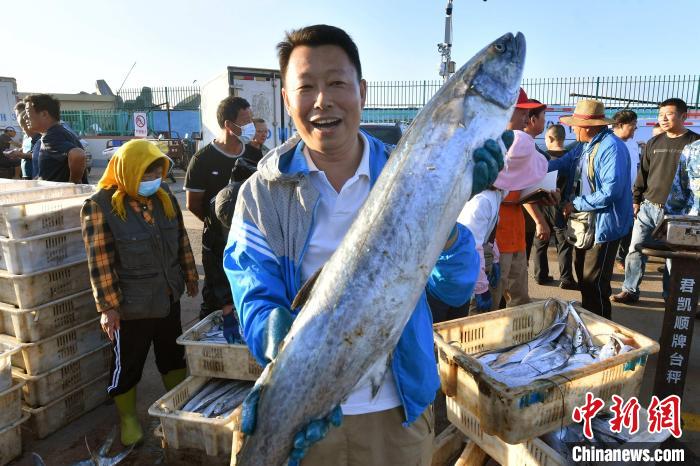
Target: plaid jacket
column 100, row 248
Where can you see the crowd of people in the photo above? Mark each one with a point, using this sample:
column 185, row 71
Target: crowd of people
column 272, row 218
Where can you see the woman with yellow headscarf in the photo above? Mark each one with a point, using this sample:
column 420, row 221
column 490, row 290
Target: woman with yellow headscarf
column 140, row 263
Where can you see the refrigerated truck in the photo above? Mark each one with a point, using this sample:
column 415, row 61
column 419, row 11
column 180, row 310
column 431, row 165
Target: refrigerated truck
column 8, row 99
column 262, row 88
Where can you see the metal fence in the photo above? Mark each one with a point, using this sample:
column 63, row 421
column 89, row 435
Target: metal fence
column 400, row 101
column 177, row 123
column 149, row 98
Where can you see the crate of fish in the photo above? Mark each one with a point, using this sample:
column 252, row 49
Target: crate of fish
column 46, row 420
column 44, row 388
column 34, row 289
column 11, row 404
column 34, row 324
column 202, row 414
column 41, row 252
column 209, row 355
column 521, row 371
column 11, row 441
column 25, row 219
column 28, row 191
column 7, row 350
column 44, row 355
column 533, row 452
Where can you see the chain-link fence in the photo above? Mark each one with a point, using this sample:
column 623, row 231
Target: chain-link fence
column 150, row 98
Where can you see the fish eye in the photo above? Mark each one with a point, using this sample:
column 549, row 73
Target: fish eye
column 499, row 48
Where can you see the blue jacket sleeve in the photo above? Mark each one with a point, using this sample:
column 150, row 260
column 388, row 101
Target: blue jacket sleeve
column 454, row 275
column 563, row 163
column 257, row 284
column 611, row 175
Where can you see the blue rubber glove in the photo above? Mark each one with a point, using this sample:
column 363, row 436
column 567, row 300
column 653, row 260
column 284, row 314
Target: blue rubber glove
column 276, row 328
column 488, row 161
column 495, row 275
column 484, row 302
column 315, row 431
column 232, row 331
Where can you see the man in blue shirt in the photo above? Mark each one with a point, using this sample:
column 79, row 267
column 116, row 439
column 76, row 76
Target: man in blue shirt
column 602, row 186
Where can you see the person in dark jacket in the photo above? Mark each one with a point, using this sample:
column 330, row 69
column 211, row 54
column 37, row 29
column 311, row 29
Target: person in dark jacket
column 140, row 263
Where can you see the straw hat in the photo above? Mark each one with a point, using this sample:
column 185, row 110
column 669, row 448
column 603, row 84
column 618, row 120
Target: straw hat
column 587, row 113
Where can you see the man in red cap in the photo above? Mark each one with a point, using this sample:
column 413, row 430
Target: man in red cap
column 510, row 230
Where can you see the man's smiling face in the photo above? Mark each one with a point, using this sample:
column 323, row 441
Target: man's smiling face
column 324, row 97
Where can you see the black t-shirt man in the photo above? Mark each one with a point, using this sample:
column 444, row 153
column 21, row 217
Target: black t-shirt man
column 53, row 154
column 658, row 167
column 209, row 172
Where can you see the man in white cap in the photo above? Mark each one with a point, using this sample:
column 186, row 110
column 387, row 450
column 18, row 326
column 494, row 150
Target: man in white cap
column 602, row 186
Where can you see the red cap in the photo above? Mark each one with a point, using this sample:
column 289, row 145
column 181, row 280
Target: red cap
column 524, row 102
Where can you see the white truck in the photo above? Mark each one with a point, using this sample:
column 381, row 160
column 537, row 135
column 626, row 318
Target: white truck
column 261, row 87
column 8, row 99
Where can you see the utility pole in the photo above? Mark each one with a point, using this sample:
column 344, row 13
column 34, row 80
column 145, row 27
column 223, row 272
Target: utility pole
column 447, row 66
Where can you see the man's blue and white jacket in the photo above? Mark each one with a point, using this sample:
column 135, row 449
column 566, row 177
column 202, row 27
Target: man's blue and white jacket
column 271, row 227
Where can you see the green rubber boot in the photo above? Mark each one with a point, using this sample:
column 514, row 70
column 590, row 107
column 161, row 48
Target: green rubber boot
column 131, row 432
column 173, row 378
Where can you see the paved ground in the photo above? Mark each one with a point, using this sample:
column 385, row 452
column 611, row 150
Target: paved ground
column 68, row 444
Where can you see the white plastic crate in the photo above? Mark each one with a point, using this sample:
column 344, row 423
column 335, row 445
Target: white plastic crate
column 34, row 324
column 11, row 441
column 44, row 355
column 41, row 252
column 14, row 193
column 44, row 388
column 11, row 404
column 182, row 429
column 33, row 218
column 48, row 419
column 534, row 452
column 34, row 289
column 516, row 414
column 7, row 350
column 221, row 360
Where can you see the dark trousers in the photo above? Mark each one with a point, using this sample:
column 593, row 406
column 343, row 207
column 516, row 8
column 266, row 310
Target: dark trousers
column 565, row 250
column 216, row 290
column 594, row 268
column 132, row 343
column 442, row 312
column 624, row 247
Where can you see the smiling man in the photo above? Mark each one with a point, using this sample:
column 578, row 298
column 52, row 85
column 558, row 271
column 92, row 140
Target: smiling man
column 290, row 217
column 657, row 170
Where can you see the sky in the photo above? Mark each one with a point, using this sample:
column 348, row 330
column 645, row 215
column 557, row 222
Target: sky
column 65, row 46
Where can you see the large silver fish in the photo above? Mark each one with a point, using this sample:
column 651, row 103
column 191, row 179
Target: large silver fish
column 368, row 289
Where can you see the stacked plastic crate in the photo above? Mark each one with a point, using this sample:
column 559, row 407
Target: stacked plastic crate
column 508, row 422
column 184, row 433
column 46, row 307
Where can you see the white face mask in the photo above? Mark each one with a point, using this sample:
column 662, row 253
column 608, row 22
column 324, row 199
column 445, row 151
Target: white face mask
column 247, row 133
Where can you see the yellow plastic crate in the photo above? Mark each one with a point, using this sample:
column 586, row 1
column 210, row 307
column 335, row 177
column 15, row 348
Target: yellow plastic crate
column 186, row 430
column 220, row 360
column 533, row 452
column 517, row 414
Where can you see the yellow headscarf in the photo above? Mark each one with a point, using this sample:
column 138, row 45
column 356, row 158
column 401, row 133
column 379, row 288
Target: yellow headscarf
column 125, row 170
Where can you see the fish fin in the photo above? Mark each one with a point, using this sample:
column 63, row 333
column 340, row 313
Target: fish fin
column 116, row 459
column 305, row 291
column 377, row 378
column 107, row 445
column 38, row 460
